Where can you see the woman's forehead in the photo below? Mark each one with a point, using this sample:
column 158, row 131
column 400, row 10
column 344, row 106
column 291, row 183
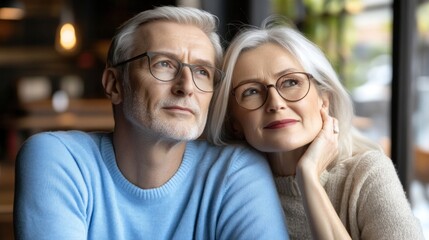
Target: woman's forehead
column 265, row 61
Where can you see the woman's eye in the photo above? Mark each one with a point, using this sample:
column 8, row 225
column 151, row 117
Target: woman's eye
column 289, row 83
column 250, row 92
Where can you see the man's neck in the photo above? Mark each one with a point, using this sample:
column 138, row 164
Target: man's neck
column 145, row 163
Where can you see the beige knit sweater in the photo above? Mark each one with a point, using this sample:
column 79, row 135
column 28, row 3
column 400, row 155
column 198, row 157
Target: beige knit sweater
column 366, row 194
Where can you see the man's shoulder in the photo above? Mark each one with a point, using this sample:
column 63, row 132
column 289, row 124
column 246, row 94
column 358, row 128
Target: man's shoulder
column 237, row 148
column 63, row 141
column 65, row 136
column 72, row 150
column 233, row 155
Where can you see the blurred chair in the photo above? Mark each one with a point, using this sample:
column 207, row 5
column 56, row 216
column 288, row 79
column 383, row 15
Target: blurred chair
column 421, row 165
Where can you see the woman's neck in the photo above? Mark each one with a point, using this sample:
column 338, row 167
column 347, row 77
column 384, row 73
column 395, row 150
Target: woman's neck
column 284, row 163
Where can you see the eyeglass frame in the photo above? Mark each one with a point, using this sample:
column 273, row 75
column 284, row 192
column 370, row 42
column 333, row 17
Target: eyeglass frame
column 149, row 54
column 267, row 86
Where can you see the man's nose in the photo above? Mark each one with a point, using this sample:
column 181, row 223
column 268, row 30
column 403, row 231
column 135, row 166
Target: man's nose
column 184, row 84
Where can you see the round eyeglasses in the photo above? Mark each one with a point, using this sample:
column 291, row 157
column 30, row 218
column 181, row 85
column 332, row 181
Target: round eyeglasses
column 292, row 87
column 166, row 68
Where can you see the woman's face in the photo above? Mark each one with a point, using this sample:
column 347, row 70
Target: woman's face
column 277, row 126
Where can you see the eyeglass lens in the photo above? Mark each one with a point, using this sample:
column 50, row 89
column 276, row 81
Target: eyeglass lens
column 167, row 68
column 291, row 87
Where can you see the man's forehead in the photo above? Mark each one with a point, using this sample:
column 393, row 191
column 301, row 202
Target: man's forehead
column 175, row 38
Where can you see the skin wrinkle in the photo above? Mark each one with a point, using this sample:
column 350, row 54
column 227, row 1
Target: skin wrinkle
column 162, row 125
column 305, row 111
column 143, row 109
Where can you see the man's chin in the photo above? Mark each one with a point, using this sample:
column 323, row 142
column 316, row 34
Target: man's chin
column 179, row 133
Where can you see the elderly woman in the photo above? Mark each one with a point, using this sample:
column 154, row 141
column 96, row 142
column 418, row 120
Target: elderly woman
column 281, row 96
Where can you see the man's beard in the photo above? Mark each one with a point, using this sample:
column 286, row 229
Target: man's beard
column 136, row 110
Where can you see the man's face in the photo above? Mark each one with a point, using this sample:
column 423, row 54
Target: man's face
column 175, row 110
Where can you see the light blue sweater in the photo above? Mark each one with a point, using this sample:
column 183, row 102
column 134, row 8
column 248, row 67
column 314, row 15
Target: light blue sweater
column 68, row 186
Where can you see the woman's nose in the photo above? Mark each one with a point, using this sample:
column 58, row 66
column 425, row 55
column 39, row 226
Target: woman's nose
column 274, row 102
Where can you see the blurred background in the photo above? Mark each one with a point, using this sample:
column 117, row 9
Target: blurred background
column 52, row 54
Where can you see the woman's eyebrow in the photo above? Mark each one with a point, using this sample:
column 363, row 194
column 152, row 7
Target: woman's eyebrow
column 286, row 71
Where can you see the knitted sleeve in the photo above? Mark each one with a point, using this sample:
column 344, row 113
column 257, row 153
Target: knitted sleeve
column 377, row 202
column 250, row 207
column 49, row 192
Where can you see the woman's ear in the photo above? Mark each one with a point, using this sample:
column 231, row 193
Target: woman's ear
column 325, row 100
column 112, row 85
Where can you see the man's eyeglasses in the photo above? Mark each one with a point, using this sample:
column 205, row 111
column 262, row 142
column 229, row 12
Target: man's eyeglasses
column 167, row 68
column 292, row 87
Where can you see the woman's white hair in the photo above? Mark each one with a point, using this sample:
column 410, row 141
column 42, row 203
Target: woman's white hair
column 313, row 61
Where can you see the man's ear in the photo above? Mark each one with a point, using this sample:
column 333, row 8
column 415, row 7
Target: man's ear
column 112, row 85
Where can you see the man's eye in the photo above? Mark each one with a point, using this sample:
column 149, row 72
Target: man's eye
column 163, row 64
column 202, row 72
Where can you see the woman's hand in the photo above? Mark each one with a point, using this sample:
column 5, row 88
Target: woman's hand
column 324, row 148
column 323, row 219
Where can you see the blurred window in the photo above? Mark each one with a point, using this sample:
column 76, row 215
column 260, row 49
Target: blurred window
column 419, row 188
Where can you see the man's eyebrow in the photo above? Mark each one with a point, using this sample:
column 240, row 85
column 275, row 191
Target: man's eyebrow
column 198, row 61
column 203, row 62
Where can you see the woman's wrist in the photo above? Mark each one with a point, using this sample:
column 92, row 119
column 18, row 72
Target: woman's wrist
column 306, row 175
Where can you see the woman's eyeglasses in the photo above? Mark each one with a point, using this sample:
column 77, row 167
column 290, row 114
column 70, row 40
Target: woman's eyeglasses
column 292, row 87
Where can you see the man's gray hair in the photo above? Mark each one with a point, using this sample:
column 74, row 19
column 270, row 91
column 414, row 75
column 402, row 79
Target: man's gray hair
column 122, row 42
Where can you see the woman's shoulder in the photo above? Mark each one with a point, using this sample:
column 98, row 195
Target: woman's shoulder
column 364, row 165
column 367, row 160
column 368, row 167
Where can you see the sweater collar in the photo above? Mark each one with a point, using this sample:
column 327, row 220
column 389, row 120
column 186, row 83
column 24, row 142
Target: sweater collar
column 289, row 186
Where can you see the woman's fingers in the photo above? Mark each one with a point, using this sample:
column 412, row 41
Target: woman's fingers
column 330, row 124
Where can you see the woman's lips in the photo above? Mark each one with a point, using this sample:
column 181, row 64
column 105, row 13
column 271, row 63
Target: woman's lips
column 280, row 124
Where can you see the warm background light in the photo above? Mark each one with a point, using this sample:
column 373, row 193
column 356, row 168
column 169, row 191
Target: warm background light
column 67, row 36
column 11, row 10
column 9, row 13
